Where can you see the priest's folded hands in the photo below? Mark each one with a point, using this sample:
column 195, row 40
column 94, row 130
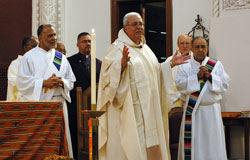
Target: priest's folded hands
column 204, row 73
column 53, row 82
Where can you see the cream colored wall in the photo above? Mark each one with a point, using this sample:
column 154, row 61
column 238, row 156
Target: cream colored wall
column 184, row 15
column 222, row 46
column 83, row 15
column 230, row 44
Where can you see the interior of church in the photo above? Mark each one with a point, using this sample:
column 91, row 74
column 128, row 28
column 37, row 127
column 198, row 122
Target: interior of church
column 224, row 23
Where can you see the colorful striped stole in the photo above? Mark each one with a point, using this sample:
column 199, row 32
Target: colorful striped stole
column 57, row 60
column 190, row 107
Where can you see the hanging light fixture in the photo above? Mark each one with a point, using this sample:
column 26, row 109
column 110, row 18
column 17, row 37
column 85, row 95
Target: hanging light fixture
column 199, row 30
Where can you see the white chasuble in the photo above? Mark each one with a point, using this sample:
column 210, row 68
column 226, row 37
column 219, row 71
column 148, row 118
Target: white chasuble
column 136, row 118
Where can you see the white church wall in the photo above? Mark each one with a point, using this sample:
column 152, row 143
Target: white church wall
column 184, row 15
column 228, row 36
column 230, row 44
column 83, row 15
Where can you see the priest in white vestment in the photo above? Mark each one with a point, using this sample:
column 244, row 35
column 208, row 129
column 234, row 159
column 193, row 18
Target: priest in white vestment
column 28, row 43
column 184, row 43
column 205, row 140
column 136, row 99
column 46, row 75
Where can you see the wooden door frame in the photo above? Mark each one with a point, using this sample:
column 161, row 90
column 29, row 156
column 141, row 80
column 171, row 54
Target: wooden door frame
column 115, row 20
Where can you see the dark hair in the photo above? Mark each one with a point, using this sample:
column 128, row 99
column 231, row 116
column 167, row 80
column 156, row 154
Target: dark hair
column 41, row 27
column 82, row 34
column 27, row 39
column 201, row 38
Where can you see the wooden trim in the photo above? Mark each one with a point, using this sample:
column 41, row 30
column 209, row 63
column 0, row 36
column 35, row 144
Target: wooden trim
column 79, row 119
column 126, row 0
column 114, row 20
column 143, row 19
column 169, row 28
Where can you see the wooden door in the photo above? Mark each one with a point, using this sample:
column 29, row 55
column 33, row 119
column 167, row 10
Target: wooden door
column 152, row 8
column 15, row 24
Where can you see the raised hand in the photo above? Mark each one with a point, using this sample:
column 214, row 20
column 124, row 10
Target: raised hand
column 125, row 57
column 181, row 59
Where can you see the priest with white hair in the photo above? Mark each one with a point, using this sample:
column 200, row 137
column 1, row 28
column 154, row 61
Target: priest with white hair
column 136, row 99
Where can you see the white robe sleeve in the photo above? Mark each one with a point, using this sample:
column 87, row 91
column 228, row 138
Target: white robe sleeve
column 169, row 83
column 68, row 82
column 220, row 79
column 28, row 85
column 114, row 84
column 12, row 72
column 186, row 83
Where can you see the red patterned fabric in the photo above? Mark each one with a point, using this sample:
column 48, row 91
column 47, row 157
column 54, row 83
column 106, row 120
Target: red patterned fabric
column 31, row 130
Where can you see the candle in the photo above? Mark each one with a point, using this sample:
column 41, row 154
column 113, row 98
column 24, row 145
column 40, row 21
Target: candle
column 93, row 70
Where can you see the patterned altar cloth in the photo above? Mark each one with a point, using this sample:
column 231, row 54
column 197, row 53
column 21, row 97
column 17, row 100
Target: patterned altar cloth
column 31, row 130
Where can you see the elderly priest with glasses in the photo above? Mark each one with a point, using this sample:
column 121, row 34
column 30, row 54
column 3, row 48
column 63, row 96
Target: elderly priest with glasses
column 136, row 99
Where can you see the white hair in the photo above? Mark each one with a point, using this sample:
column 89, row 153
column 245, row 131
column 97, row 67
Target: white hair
column 125, row 18
column 184, row 35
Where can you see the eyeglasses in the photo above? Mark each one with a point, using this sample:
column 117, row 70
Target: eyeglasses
column 136, row 24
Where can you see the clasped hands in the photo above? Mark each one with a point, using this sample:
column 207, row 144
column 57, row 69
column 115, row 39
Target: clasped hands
column 204, row 73
column 53, row 82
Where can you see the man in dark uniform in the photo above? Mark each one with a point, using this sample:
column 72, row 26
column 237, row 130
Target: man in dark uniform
column 80, row 64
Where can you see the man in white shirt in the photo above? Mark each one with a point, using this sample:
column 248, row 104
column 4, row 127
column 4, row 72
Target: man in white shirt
column 184, row 43
column 201, row 82
column 28, row 43
column 45, row 74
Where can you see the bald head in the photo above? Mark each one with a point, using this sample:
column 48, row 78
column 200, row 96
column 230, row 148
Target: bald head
column 61, row 48
column 29, row 42
column 184, row 43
